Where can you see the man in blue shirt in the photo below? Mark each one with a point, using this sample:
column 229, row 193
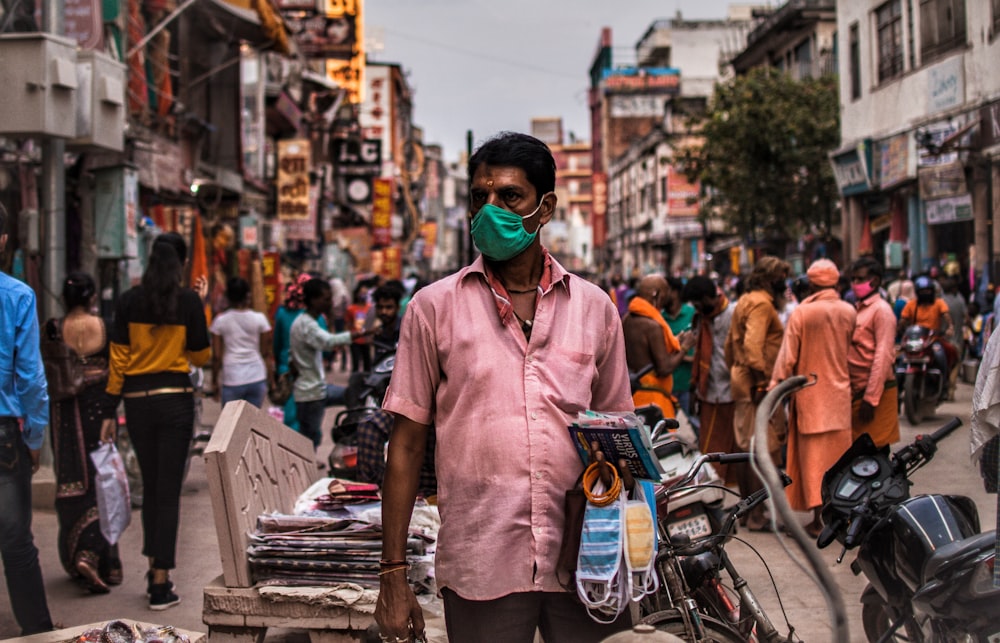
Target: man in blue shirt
column 24, row 413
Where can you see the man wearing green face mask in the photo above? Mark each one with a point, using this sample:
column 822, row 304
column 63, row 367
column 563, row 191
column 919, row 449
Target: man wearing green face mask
column 499, row 358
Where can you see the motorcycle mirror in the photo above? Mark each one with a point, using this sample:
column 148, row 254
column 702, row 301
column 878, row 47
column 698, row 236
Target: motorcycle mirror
column 826, row 537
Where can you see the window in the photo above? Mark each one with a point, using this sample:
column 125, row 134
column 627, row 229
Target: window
column 942, row 26
column 889, row 22
column 803, row 59
column 855, row 63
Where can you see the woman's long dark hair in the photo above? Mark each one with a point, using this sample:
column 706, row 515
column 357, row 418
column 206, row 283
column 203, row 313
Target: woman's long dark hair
column 164, row 275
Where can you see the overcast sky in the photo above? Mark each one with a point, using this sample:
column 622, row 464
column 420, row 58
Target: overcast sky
column 491, row 65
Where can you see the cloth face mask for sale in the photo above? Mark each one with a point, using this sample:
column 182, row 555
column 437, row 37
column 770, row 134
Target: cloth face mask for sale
column 499, row 234
column 599, row 581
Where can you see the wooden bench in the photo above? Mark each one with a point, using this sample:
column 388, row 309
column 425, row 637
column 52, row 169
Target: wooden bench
column 257, row 465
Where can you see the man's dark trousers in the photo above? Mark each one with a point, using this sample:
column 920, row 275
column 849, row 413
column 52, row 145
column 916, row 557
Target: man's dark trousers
column 17, row 546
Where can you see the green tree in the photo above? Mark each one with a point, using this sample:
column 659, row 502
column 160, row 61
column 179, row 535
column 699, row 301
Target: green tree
column 764, row 157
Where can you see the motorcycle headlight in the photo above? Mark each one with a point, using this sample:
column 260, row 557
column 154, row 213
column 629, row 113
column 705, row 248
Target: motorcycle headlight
column 913, row 345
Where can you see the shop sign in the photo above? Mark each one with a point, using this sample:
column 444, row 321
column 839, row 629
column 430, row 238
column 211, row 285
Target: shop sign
column 428, row 230
column 647, row 80
column 989, row 124
column 382, row 211
column 935, row 134
column 270, row 263
column 376, row 110
column 949, row 210
column 248, row 232
column 897, row 162
column 945, row 85
column 599, row 209
column 293, row 179
column 942, row 181
column 682, row 195
column 850, row 169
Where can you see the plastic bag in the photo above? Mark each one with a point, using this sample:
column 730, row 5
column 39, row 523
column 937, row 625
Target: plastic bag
column 111, row 485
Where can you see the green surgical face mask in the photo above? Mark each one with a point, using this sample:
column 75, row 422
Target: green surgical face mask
column 499, row 234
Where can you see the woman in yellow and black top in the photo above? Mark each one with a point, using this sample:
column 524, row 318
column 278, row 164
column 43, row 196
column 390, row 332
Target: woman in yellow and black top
column 158, row 333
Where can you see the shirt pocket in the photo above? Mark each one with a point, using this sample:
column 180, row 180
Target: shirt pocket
column 567, row 378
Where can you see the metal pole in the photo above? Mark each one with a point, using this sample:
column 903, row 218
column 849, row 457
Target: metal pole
column 53, row 193
column 469, row 245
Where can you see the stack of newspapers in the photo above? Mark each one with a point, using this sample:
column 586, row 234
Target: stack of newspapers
column 620, row 436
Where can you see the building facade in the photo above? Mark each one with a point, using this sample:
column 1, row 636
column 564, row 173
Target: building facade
column 918, row 166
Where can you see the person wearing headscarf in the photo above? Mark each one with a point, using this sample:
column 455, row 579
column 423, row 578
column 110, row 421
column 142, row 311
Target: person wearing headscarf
column 291, row 307
column 817, row 341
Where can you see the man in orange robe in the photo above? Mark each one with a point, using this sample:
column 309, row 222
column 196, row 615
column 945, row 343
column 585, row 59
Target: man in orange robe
column 752, row 345
column 649, row 340
column 817, row 340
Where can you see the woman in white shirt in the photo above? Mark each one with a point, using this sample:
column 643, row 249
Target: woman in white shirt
column 241, row 347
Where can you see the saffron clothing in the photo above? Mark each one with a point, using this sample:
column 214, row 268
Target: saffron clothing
column 716, row 435
column 870, row 363
column 500, row 404
column 149, row 353
column 873, row 349
column 928, row 316
column 817, row 340
column 710, row 376
column 752, row 343
column 662, row 387
column 884, row 427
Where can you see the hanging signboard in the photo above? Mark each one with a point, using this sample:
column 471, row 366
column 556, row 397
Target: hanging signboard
column 292, row 182
column 381, row 211
column 949, row 210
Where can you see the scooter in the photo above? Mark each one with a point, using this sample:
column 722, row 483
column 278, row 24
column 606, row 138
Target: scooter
column 930, row 571
column 922, row 383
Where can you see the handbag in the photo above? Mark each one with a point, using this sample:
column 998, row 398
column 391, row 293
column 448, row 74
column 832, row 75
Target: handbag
column 111, row 488
column 63, row 370
column 280, row 388
column 574, row 505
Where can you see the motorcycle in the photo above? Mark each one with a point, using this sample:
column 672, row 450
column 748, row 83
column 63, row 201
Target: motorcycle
column 930, row 571
column 919, row 375
column 695, row 510
column 364, row 395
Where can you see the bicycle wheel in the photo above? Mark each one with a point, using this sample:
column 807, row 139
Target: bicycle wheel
column 671, row 622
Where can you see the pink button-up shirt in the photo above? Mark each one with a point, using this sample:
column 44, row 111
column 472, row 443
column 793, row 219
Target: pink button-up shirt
column 873, row 348
column 501, row 405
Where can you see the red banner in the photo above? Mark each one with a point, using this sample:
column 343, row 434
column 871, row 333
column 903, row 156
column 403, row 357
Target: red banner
column 382, row 212
column 682, row 195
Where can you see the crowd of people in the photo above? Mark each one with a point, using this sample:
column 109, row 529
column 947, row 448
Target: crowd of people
column 490, row 365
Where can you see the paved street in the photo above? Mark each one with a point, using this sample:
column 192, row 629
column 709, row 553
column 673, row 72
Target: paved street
column 199, row 561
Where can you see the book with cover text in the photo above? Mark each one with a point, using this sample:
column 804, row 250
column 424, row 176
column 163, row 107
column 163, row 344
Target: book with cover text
column 619, row 436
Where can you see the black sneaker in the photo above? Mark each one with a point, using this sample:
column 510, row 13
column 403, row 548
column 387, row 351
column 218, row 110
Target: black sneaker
column 161, row 596
column 149, row 583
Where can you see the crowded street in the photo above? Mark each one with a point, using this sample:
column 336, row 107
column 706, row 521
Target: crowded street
column 950, row 472
column 379, row 321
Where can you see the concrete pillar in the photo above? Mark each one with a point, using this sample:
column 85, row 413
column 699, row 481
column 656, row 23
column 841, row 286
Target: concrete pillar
column 917, row 232
column 981, row 177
